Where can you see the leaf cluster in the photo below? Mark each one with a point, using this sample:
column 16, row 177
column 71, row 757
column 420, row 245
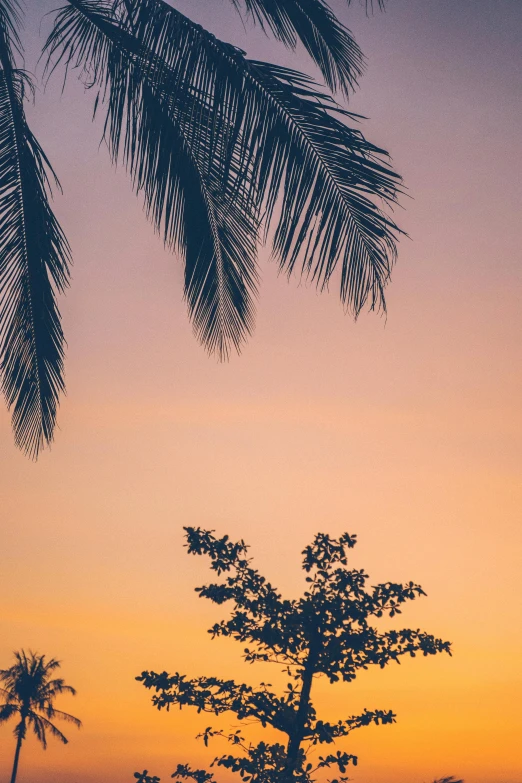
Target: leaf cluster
column 329, row 632
column 333, row 617
column 34, row 257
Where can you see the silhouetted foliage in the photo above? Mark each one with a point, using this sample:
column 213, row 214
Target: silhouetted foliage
column 328, row 632
column 221, row 148
column 449, row 779
column 29, row 692
column 34, row 257
column 143, row 777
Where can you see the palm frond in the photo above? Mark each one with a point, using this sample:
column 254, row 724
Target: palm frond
column 7, row 711
column 46, row 664
column 177, row 162
column 34, row 259
column 370, row 5
column 54, row 687
column 20, row 730
column 3, row 692
column 51, row 712
column 10, row 22
column 330, row 179
column 254, row 134
column 41, row 726
column 328, row 42
column 294, row 144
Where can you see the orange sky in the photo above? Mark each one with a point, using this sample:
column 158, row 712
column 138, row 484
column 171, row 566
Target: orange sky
column 406, row 431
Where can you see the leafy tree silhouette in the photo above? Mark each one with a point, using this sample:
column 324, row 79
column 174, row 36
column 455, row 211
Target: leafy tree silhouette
column 29, row 692
column 327, row 632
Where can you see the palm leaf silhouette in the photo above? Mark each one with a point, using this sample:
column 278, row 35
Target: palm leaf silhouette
column 34, row 258
column 175, row 159
column 259, row 135
column 224, row 151
column 329, row 43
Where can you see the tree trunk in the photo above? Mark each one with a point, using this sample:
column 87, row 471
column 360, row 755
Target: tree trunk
column 19, row 741
column 302, row 711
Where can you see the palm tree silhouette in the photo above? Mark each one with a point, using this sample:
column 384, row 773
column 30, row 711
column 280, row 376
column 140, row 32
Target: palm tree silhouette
column 29, row 693
column 221, row 149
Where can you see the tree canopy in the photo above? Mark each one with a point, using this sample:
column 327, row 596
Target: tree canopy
column 29, row 689
column 334, row 631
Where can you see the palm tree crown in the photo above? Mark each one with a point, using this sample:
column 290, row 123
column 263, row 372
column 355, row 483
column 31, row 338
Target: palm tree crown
column 224, row 152
column 29, row 690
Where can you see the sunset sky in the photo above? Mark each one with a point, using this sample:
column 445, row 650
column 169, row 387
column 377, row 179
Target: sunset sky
column 405, row 430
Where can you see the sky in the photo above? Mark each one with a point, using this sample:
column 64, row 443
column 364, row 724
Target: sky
column 405, row 430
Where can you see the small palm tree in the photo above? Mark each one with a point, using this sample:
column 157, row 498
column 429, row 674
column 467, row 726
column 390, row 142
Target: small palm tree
column 29, row 693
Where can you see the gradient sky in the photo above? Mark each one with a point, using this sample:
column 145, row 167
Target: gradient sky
column 407, row 431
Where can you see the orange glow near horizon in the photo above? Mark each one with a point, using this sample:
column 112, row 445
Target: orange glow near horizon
column 405, row 430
